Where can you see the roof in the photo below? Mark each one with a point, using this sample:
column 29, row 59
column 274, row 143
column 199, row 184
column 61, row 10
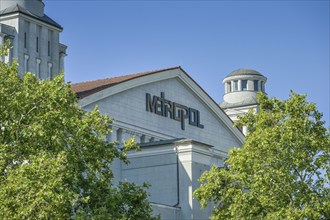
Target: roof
column 84, row 89
column 18, row 8
column 245, row 102
column 244, row 72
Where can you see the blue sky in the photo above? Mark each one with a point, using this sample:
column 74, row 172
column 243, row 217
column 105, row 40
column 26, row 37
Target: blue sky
column 287, row 41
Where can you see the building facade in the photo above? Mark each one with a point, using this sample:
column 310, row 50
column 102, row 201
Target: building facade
column 34, row 37
column 181, row 130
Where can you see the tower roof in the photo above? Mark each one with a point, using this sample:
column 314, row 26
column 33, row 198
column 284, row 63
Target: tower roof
column 244, row 72
column 246, row 102
column 18, row 8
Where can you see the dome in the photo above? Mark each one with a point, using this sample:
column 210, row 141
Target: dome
column 239, row 72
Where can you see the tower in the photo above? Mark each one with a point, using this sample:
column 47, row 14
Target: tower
column 241, row 88
column 34, row 37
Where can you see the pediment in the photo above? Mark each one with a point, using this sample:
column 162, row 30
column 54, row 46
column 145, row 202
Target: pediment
column 155, row 100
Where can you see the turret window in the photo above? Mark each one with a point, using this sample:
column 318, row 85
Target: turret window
column 229, row 87
column 244, row 85
column 262, row 86
column 236, row 85
column 255, row 83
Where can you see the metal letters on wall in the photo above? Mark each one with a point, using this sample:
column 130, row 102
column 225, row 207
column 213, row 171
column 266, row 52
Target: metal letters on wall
column 178, row 112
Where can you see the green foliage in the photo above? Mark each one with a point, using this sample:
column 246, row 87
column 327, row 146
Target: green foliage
column 54, row 160
column 4, row 49
column 281, row 172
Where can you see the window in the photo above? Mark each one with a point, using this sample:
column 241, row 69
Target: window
column 229, row 87
column 50, row 43
column 38, row 34
column 244, row 85
column 25, row 40
column 26, row 35
column 37, row 44
column 262, row 86
column 235, row 85
column 48, row 48
column 255, row 83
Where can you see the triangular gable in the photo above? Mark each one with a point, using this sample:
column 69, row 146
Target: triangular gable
column 94, row 91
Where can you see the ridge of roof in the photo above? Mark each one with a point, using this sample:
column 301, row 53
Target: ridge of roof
column 87, row 88
column 18, row 8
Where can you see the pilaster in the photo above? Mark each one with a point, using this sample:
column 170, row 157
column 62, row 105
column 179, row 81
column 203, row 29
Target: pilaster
column 239, row 85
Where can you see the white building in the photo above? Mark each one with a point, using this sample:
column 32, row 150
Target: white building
column 182, row 131
column 34, row 37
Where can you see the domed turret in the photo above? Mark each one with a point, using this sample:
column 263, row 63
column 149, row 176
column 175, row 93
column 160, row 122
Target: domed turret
column 34, row 6
column 241, row 88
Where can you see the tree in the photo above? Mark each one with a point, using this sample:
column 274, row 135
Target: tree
column 54, row 160
column 282, row 170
